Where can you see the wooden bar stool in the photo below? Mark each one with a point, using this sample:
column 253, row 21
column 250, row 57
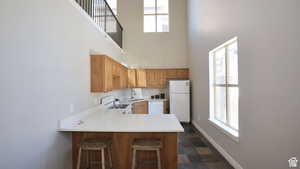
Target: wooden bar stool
column 96, row 145
column 146, row 145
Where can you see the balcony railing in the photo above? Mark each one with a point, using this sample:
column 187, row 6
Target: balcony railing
column 102, row 14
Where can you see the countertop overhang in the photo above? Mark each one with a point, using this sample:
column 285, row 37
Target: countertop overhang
column 103, row 120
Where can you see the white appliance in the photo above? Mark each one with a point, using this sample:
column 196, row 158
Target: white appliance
column 156, row 107
column 179, row 91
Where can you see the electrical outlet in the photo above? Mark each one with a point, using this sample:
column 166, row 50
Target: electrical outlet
column 71, row 108
column 96, row 101
column 293, row 162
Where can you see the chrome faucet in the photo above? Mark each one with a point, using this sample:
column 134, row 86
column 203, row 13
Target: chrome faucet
column 114, row 102
column 133, row 93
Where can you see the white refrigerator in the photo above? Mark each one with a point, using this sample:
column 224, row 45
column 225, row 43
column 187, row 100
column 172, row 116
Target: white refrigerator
column 179, row 91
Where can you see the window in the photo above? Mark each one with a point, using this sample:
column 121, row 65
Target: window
column 224, row 86
column 156, row 15
column 111, row 24
column 113, row 5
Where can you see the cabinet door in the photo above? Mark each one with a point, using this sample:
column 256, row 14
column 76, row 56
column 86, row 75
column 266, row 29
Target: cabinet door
column 171, row 73
column 162, row 75
column 115, row 68
column 131, row 78
column 156, row 78
column 124, row 77
column 177, row 73
column 166, row 107
column 183, row 73
column 140, row 107
column 108, row 76
column 141, row 78
column 97, row 73
column 150, row 77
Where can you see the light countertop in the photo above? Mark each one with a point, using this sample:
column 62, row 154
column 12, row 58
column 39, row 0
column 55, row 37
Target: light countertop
column 157, row 100
column 128, row 101
column 104, row 120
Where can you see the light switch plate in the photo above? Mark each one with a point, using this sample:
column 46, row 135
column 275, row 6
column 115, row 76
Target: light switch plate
column 71, row 108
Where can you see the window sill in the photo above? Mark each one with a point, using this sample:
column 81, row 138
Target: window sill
column 234, row 135
column 156, row 32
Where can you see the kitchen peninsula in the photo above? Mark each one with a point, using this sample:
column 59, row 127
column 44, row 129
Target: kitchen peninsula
column 123, row 129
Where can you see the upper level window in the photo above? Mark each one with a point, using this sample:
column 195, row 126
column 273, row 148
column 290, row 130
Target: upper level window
column 156, row 15
column 224, row 86
column 113, row 5
column 111, row 23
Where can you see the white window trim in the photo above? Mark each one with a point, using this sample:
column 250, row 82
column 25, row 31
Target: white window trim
column 233, row 134
column 156, row 14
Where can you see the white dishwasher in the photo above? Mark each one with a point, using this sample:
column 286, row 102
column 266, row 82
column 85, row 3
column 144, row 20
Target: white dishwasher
column 156, row 107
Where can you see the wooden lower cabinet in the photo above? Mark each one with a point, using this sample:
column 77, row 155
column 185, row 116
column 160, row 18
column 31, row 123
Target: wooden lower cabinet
column 166, row 107
column 140, row 107
column 122, row 151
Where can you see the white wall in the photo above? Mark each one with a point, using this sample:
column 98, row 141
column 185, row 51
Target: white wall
column 269, row 38
column 153, row 50
column 44, row 67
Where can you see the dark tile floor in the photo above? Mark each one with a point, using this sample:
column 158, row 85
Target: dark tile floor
column 195, row 152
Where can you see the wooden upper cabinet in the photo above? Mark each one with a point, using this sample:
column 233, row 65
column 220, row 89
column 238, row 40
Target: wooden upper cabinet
column 108, row 78
column 97, row 73
column 140, row 107
column 177, row 73
column 183, row 73
column 107, row 74
column 163, row 78
column 156, row 78
column 101, row 69
column 171, row 73
column 124, row 77
column 131, row 78
column 141, row 80
column 150, row 77
column 114, row 68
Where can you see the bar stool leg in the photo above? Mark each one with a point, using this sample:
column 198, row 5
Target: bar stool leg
column 103, row 158
column 158, row 159
column 109, row 155
column 88, row 159
column 133, row 158
column 79, row 159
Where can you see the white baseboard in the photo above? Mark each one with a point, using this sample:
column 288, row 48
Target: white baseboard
column 227, row 156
